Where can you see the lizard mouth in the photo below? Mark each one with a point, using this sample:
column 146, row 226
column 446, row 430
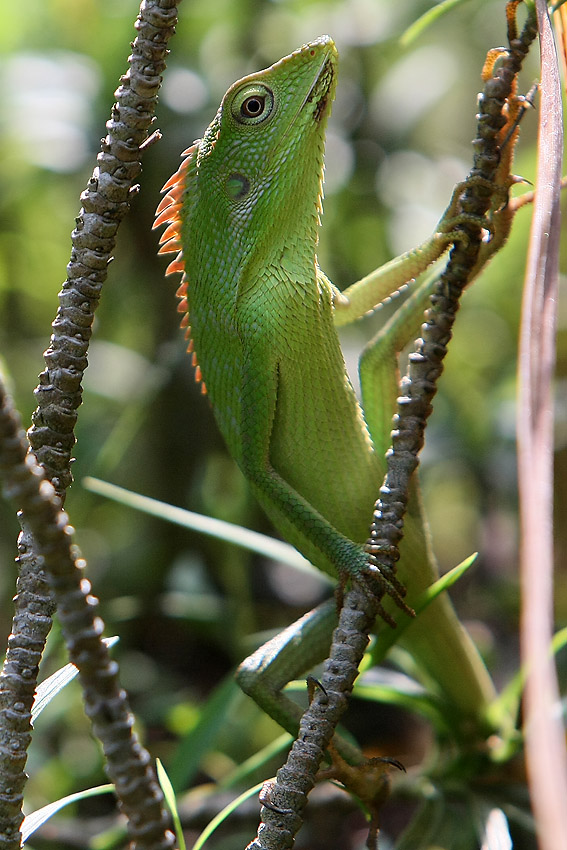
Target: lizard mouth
column 320, row 93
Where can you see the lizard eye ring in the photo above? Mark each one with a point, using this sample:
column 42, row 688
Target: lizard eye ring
column 253, row 104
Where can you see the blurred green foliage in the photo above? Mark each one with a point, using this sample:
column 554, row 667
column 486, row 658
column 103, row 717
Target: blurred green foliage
column 399, row 139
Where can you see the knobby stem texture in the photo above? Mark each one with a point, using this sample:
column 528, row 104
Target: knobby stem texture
column 106, row 201
column 128, row 764
column 419, row 386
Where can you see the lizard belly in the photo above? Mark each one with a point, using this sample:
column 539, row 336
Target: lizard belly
column 329, row 459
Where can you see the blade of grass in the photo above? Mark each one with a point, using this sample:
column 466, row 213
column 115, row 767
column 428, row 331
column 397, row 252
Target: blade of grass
column 55, row 683
column 171, row 803
column 391, row 636
column 427, row 19
column 36, row 819
column 277, row 550
column 191, row 749
column 392, row 688
column 222, row 816
column 508, row 702
column 257, row 761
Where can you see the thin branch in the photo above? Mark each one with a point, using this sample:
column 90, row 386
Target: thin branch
column 128, row 764
column 543, row 728
column 105, row 201
column 284, row 800
column 419, row 386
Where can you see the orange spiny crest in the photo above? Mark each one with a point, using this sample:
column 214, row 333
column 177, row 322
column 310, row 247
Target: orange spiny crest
column 171, row 232
column 199, row 379
column 170, row 247
column 165, row 215
column 165, row 211
column 177, row 265
column 176, row 191
column 169, row 213
column 179, row 175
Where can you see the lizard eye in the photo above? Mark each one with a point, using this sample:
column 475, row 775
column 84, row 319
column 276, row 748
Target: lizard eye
column 253, row 104
column 253, row 107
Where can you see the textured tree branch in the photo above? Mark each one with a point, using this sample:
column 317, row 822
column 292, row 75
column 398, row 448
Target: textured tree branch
column 31, row 623
column 285, row 799
column 128, row 764
column 419, row 386
column 105, row 201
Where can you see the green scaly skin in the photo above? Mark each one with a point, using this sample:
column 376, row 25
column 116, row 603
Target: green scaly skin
column 244, row 212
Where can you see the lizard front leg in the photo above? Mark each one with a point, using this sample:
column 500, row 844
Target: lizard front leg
column 294, row 515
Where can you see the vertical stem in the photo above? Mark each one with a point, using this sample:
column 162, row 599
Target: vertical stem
column 543, row 727
column 127, row 762
column 105, row 202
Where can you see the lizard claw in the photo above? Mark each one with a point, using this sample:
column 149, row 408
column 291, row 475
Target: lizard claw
column 387, row 575
column 381, row 580
column 379, row 585
column 376, row 579
column 374, row 584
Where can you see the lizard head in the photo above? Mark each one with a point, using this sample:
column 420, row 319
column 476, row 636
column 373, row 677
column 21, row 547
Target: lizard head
column 252, row 186
column 265, row 146
column 261, row 158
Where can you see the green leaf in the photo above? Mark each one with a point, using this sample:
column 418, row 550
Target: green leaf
column 38, row 818
column 504, row 710
column 394, row 688
column 418, row 27
column 171, row 802
column 222, row 816
column 269, row 547
column 192, row 748
column 258, row 760
column 388, row 638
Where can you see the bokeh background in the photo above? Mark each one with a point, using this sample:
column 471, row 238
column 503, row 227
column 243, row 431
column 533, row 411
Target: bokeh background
column 186, row 608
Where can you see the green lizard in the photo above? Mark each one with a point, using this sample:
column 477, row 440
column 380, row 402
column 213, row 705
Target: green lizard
column 243, row 214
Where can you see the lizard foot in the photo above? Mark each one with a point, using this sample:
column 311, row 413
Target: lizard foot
column 371, row 566
column 369, row 781
column 382, row 580
column 376, row 585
